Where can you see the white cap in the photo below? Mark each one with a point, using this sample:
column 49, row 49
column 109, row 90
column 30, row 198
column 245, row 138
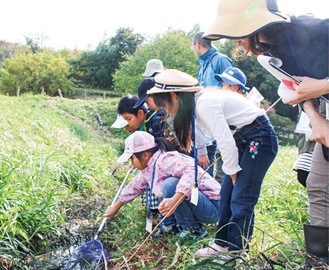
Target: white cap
column 137, row 142
column 120, row 122
column 153, row 66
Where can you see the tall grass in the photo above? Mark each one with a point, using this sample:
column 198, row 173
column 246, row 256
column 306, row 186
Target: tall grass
column 54, row 153
column 47, row 155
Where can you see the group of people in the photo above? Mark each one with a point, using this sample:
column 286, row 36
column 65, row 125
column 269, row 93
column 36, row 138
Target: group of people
column 214, row 108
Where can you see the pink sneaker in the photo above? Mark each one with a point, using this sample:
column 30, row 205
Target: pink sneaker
column 213, row 251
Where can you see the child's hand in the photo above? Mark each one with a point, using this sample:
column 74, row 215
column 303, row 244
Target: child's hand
column 168, row 205
column 165, row 207
column 110, row 211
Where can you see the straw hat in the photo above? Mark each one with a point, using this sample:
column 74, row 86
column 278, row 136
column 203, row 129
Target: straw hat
column 172, row 80
column 242, row 18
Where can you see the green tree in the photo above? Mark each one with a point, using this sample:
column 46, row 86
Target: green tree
column 96, row 68
column 32, row 72
column 172, row 48
column 7, row 50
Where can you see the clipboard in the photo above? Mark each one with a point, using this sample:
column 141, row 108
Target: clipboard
column 272, row 65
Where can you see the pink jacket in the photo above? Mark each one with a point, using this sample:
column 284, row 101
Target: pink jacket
column 170, row 164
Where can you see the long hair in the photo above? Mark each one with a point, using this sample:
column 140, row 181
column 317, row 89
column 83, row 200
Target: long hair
column 183, row 117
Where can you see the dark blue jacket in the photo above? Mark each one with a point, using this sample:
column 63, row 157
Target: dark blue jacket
column 305, row 50
column 154, row 123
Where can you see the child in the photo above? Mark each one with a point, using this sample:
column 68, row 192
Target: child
column 145, row 85
column 141, row 118
column 233, row 79
column 170, row 174
column 247, row 142
column 121, row 123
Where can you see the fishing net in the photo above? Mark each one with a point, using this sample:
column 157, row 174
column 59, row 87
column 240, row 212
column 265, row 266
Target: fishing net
column 90, row 255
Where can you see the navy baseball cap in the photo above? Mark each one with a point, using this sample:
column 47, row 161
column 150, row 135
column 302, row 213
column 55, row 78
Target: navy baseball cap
column 145, row 85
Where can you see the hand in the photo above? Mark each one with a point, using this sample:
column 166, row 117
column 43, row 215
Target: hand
column 320, row 130
column 320, row 126
column 169, row 205
column 308, row 88
column 203, row 161
column 111, row 211
column 234, row 177
column 166, row 207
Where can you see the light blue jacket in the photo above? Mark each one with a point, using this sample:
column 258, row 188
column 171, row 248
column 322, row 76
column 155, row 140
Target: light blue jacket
column 211, row 63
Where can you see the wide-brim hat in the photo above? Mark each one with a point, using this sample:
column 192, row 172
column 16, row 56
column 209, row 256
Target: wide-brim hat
column 242, row 18
column 153, row 66
column 172, row 80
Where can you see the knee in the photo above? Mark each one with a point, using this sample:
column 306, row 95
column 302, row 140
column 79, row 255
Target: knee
column 169, row 187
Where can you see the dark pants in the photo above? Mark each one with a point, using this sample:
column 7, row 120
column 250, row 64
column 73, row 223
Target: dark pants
column 257, row 145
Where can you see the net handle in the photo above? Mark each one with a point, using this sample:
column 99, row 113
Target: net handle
column 113, row 202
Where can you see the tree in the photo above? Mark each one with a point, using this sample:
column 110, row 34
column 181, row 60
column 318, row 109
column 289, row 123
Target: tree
column 32, row 72
column 96, row 68
column 172, row 48
column 7, row 50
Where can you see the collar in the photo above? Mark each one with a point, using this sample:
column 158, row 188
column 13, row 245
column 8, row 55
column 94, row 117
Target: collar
column 203, row 58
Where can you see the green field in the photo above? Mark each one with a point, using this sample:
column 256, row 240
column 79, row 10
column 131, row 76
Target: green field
column 59, row 171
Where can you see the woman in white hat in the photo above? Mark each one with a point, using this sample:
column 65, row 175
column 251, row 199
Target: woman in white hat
column 302, row 44
column 245, row 137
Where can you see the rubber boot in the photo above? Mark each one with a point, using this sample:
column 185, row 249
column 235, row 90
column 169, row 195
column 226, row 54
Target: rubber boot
column 316, row 241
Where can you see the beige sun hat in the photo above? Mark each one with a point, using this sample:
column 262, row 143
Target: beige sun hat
column 242, row 18
column 172, row 80
column 153, row 66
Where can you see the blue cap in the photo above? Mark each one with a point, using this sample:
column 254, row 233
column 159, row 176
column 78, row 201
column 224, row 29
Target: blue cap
column 145, row 85
column 233, row 76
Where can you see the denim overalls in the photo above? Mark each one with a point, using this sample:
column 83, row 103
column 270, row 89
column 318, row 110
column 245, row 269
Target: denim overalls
column 257, row 144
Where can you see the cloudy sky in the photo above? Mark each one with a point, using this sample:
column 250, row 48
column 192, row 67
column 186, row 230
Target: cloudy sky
column 83, row 24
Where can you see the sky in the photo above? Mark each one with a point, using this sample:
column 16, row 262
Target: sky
column 83, row 24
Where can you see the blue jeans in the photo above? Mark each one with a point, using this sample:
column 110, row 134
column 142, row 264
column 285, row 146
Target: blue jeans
column 237, row 202
column 211, row 152
column 187, row 214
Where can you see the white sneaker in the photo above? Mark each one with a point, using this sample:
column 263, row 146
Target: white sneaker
column 213, row 251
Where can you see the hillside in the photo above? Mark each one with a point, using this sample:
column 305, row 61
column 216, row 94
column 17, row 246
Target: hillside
column 59, row 171
column 54, row 155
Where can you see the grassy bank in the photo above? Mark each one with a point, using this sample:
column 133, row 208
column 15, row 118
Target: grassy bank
column 58, row 171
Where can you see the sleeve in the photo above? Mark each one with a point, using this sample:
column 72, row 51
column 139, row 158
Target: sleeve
column 211, row 116
column 135, row 188
column 182, row 167
column 200, row 140
column 156, row 125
